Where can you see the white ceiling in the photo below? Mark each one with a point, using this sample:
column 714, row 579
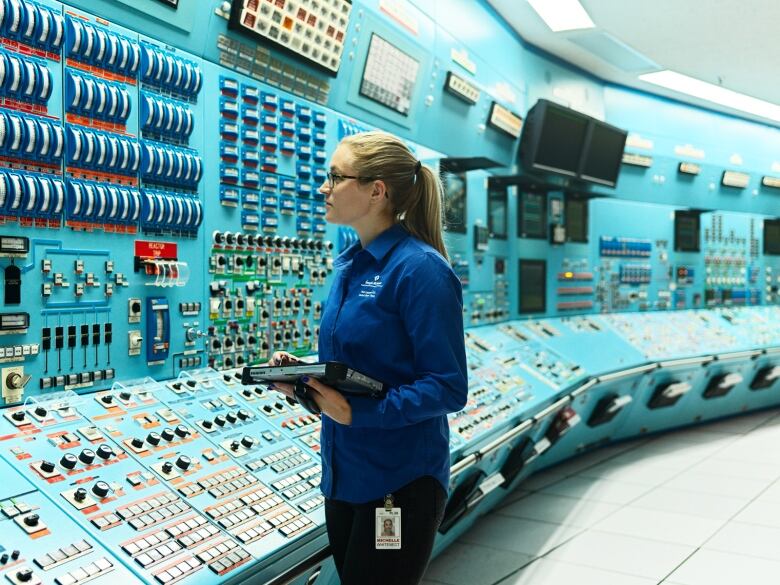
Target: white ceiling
column 733, row 43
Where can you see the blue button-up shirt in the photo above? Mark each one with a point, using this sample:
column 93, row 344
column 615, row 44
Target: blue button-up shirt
column 395, row 314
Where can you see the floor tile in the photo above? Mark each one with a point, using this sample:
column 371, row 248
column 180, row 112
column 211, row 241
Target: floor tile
column 660, row 526
column 720, row 485
column 623, row 554
column 637, row 472
column 547, row 572
column 547, row 507
column 519, row 535
column 742, row 469
column 747, row 539
column 544, row 478
column 763, row 512
column 602, row 490
column 687, row 502
column 708, row 567
column 468, row 564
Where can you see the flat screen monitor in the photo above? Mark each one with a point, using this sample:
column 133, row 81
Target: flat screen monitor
column 603, row 154
column 576, row 219
column 532, row 275
column 497, row 212
column 686, row 231
column 455, row 202
column 553, row 139
column 532, row 215
column 389, row 75
column 772, row 237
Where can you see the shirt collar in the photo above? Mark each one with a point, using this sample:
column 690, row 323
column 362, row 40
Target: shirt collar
column 378, row 248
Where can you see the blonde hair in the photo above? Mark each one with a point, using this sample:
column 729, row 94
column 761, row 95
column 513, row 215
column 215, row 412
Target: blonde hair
column 415, row 193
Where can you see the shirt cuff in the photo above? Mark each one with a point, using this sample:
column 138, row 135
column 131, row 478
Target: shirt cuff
column 366, row 412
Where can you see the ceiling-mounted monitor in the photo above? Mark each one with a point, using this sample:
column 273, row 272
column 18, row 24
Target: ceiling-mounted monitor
column 553, row 138
column 312, row 31
column 560, row 140
column 389, row 75
column 603, row 154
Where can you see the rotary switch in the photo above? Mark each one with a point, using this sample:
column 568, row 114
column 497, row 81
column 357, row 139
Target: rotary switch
column 181, row 431
column 183, row 462
column 247, row 442
column 80, row 495
column 87, row 456
column 167, row 434
column 47, row 466
column 101, row 489
column 105, row 452
column 68, row 461
column 153, row 439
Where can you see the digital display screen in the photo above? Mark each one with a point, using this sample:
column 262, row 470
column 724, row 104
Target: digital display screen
column 772, row 237
column 532, row 215
column 389, row 76
column 686, row 231
column 576, row 219
column 532, row 276
column 603, row 155
column 455, row 202
column 497, row 212
column 312, row 31
column 561, row 141
column 481, row 238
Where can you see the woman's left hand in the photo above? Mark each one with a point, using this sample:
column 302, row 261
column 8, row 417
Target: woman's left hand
column 331, row 401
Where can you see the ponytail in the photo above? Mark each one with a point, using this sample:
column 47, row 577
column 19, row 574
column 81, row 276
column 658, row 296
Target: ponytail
column 414, row 190
column 423, row 219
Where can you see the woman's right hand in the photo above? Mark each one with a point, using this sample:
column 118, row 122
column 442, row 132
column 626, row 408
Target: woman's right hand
column 282, row 358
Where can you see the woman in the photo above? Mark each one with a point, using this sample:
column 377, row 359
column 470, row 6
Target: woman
column 394, row 313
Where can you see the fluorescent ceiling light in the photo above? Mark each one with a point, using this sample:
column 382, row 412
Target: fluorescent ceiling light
column 713, row 93
column 562, row 15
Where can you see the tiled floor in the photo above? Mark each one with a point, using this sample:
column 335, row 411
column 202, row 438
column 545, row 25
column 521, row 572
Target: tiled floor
column 694, row 507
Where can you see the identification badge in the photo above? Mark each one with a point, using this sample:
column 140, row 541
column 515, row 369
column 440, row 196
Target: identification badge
column 388, row 526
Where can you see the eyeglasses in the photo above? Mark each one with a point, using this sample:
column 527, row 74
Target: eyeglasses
column 335, row 178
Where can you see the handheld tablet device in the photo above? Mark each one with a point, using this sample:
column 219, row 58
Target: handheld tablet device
column 336, row 374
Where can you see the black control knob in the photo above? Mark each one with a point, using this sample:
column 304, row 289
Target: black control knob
column 47, row 466
column 240, row 239
column 221, row 260
column 3, row 558
column 24, row 575
column 137, row 442
column 40, row 411
column 167, row 434
column 125, row 396
column 247, row 441
column 183, row 462
column 107, row 399
column 218, row 238
column 243, row 414
column 234, row 446
column 105, row 452
column 207, row 424
column 18, row 415
column 219, row 420
column 249, row 261
column 153, row 439
column 167, row 467
column 228, row 362
column 87, row 456
column 258, row 390
column 68, row 461
column 14, row 555
column 191, row 383
column 182, row 431
column 231, row 418
column 80, row 495
column 176, row 385
column 101, row 489
column 31, row 520
column 246, row 392
column 251, row 240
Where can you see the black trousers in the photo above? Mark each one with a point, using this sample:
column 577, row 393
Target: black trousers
column 352, row 535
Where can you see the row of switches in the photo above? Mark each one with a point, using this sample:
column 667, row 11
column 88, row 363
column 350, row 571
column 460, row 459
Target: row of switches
column 59, row 342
